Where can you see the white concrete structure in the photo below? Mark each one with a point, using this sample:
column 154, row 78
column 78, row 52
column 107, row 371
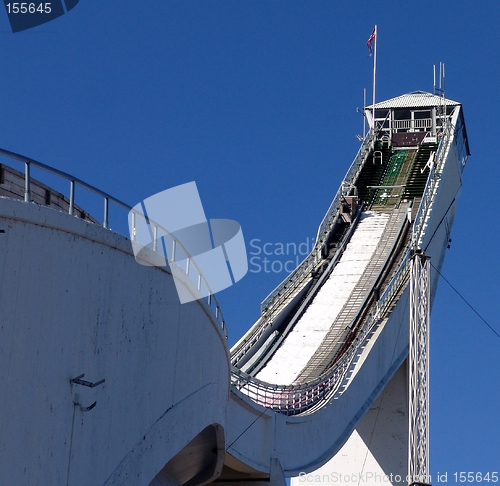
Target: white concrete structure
column 377, row 445
column 74, row 301
column 108, row 380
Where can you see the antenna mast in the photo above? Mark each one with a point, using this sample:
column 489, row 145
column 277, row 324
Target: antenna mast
column 441, row 92
column 375, row 30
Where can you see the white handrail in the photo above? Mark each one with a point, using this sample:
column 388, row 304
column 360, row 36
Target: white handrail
column 293, row 281
column 431, row 188
column 107, row 198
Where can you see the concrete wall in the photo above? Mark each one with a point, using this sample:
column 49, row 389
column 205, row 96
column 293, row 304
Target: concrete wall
column 377, row 450
column 74, row 301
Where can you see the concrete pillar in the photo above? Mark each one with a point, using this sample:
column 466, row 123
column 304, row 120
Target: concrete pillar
column 377, row 450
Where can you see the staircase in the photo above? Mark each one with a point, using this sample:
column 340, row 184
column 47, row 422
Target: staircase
column 372, row 173
column 417, row 178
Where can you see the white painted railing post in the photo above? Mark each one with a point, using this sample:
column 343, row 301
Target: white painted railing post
column 27, row 182
column 71, row 197
column 105, row 223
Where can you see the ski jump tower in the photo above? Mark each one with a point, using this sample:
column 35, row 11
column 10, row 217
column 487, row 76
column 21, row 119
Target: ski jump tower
column 333, row 352
column 110, row 380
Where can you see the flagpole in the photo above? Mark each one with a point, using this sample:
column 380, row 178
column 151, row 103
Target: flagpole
column 374, row 78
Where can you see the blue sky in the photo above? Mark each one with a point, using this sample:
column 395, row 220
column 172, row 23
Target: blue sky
column 256, row 101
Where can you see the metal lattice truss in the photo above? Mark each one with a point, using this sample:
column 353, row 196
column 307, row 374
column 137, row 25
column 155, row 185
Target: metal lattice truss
column 418, row 447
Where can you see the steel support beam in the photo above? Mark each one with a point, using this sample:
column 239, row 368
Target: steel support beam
column 418, row 365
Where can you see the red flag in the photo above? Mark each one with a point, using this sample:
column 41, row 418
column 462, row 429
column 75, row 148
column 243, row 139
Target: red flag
column 371, row 39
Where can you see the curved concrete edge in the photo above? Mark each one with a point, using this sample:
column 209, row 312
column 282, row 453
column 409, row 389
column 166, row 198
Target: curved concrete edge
column 171, row 432
column 76, row 302
column 18, row 210
column 304, row 443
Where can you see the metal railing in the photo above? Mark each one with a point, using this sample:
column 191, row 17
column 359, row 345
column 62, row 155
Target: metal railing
column 107, row 198
column 299, row 398
column 424, row 211
column 398, row 281
column 411, row 124
column 191, row 270
column 73, row 182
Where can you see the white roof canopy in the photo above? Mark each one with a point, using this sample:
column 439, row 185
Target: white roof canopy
column 416, row 99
